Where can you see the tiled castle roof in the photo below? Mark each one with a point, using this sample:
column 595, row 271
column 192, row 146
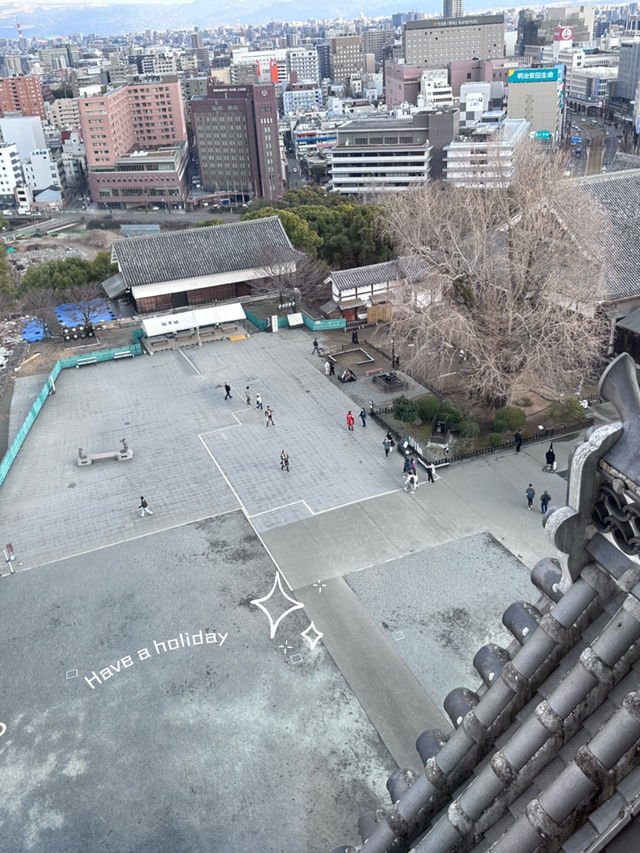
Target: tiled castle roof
column 410, row 268
column 619, row 194
column 545, row 754
column 202, row 251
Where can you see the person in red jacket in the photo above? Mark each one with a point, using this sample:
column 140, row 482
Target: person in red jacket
column 350, row 421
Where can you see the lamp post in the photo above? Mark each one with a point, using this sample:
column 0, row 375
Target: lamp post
column 393, row 354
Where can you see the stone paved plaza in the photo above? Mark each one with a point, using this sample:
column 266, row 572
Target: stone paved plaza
column 265, row 743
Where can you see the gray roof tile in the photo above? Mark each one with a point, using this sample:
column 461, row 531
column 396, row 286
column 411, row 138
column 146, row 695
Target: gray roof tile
column 411, row 268
column 202, row 251
column 619, row 194
column 600, row 723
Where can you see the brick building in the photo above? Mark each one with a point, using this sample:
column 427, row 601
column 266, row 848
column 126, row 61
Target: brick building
column 22, row 95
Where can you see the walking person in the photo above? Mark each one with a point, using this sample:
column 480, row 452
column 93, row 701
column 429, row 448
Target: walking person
column 354, row 337
column 327, row 368
column 411, row 482
column 518, row 439
column 431, row 470
column 332, row 368
column 284, row 460
column 247, row 395
column 227, row 391
column 350, row 421
column 316, row 348
column 363, row 417
column 387, row 446
column 530, row 493
column 545, row 497
column 268, row 413
column 406, row 468
column 550, row 458
column 413, row 466
column 258, row 401
column 144, row 507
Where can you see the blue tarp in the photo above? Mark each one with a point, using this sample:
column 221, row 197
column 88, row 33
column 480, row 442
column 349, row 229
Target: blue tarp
column 68, row 315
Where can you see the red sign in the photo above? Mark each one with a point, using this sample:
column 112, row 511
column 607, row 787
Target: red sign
column 563, row 34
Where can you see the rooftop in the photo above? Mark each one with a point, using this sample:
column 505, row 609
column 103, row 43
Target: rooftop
column 201, row 251
column 410, row 268
column 545, row 751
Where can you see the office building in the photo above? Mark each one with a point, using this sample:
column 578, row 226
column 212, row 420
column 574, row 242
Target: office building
column 435, row 90
column 535, row 94
column 324, row 61
column 435, row 42
column 486, row 158
column 347, row 58
column 452, row 9
column 42, row 170
column 628, row 70
column 375, row 156
column 236, row 134
column 22, row 95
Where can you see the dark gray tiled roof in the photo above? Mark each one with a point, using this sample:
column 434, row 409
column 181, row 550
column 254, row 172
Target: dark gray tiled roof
column 546, row 752
column 202, row 251
column 619, row 194
column 623, row 162
column 413, row 269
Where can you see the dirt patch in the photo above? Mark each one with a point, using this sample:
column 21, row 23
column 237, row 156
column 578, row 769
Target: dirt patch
column 42, row 355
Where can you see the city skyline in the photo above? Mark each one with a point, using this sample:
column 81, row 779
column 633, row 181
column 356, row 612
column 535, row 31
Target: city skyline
column 119, row 17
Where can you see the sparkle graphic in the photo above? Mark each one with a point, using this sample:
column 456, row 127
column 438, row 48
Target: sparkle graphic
column 312, row 635
column 285, row 647
column 276, row 601
column 320, row 586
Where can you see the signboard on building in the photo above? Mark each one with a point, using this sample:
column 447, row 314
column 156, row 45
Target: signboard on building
column 532, row 75
column 564, row 34
column 541, row 134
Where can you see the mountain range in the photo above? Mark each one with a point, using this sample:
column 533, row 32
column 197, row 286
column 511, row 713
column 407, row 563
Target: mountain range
column 61, row 19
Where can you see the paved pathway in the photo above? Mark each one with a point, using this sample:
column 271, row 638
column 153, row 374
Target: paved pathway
column 339, row 510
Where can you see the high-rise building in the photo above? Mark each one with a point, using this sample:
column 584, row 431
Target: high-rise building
column 628, row 70
column 303, row 61
column 324, row 61
column 535, row 94
column 25, row 131
column 65, row 113
column 22, row 95
column 451, row 8
column 347, row 57
column 435, row 42
column 139, row 118
column 196, row 40
column 236, row 134
column 375, row 41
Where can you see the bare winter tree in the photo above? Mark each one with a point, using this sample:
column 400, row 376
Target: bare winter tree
column 303, row 279
column 512, row 300
column 89, row 301
column 39, row 303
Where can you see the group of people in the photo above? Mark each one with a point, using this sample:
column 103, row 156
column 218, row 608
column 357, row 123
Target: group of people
column 545, row 497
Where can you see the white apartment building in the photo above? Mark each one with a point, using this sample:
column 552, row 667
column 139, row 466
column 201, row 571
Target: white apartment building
column 486, row 158
column 435, row 90
column 64, row 113
column 304, row 61
column 10, row 169
column 378, row 156
column 296, row 101
column 42, row 171
column 272, row 64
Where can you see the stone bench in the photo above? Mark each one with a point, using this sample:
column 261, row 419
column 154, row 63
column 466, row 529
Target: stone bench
column 87, row 458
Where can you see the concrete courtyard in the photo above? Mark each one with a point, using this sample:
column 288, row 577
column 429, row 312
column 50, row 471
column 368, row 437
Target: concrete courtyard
column 273, row 739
